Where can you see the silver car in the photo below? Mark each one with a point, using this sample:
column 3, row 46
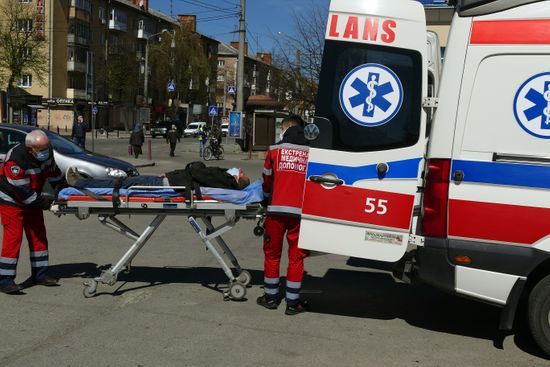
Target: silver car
column 67, row 154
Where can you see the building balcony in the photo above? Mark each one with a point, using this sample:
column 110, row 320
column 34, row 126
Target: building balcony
column 144, row 34
column 76, row 40
column 76, row 93
column 76, row 66
column 118, row 25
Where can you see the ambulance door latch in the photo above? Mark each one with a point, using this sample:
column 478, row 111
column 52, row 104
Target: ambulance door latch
column 430, row 102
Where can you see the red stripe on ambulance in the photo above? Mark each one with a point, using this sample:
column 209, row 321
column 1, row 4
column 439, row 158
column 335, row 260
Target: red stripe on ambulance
column 380, row 208
column 511, row 32
column 356, row 28
column 498, row 222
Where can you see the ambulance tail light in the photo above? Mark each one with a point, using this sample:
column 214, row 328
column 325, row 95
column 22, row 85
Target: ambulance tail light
column 436, row 195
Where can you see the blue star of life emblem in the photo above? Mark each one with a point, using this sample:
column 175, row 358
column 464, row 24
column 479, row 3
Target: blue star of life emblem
column 371, row 95
column 532, row 105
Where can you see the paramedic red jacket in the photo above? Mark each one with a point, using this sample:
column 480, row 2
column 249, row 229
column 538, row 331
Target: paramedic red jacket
column 22, row 176
column 285, row 173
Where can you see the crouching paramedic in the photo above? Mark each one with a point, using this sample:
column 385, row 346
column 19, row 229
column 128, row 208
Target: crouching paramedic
column 23, row 174
column 284, row 177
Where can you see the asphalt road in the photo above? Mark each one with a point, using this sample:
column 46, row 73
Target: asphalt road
column 169, row 310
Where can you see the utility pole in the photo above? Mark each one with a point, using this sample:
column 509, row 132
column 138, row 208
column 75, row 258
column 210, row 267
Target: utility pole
column 240, row 66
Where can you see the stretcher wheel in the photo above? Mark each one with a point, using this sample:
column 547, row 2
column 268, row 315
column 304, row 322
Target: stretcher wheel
column 259, row 231
column 244, row 277
column 90, row 287
column 237, row 291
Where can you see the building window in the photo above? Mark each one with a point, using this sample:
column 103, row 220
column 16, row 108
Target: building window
column 221, row 78
column 26, row 53
column 25, row 81
column 25, row 1
column 24, row 25
column 221, row 63
column 101, row 14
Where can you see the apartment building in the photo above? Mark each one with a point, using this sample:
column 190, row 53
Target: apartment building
column 82, row 37
column 260, row 76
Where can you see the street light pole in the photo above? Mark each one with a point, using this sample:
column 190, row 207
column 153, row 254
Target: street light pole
column 146, row 71
column 240, row 63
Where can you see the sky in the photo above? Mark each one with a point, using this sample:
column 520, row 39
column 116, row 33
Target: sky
column 266, row 19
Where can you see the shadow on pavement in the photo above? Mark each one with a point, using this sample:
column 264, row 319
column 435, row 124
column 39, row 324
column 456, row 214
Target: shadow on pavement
column 353, row 293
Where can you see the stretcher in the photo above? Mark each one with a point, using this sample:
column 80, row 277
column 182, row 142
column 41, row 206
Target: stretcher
column 146, row 200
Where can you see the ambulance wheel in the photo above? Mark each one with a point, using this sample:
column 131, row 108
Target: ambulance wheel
column 237, row 291
column 244, row 277
column 90, row 287
column 539, row 314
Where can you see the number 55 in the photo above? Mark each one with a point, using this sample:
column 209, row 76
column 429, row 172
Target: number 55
column 376, row 205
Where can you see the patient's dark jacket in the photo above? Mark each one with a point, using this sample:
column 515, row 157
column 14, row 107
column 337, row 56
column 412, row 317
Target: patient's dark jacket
column 196, row 174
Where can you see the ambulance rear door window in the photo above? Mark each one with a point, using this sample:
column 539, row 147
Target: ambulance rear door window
column 396, row 121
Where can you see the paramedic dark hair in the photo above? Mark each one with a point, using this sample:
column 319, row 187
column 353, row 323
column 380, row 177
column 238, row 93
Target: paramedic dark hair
column 293, row 120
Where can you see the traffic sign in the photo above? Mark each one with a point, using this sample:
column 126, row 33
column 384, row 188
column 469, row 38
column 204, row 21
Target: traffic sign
column 94, row 110
column 231, row 89
column 171, row 87
column 212, row 111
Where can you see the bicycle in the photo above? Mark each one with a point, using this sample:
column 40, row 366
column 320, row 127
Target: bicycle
column 213, row 150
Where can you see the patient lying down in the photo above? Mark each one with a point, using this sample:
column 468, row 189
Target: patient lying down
column 193, row 173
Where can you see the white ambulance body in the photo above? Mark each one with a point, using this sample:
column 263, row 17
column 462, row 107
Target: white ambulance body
column 459, row 199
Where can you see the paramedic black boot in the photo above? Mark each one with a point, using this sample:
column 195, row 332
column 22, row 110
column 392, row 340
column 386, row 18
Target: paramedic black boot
column 296, row 308
column 270, row 303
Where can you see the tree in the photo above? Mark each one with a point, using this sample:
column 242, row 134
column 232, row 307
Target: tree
column 122, row 76
column 180, row 58
column 299, row 56
column 22, row 50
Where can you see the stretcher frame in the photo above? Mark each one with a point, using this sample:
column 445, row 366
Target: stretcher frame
column 194, row 209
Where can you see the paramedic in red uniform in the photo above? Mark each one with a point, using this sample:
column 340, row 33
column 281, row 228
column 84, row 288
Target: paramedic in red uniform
column 22, row 177
column 284, row 177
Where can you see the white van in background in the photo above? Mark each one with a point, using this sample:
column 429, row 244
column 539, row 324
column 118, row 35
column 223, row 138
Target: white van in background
column 193, row 128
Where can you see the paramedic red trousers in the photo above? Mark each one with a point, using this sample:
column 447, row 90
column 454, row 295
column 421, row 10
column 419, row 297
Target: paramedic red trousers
column 275, row 229
column 15, row 220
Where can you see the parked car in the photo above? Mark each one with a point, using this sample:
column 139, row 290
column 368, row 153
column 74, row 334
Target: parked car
column 225, row 128
column 193, row 128
column 160, row 128
column 68, row 154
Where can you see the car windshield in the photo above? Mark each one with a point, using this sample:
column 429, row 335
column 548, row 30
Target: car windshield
column 193, row 126
column 63, row 145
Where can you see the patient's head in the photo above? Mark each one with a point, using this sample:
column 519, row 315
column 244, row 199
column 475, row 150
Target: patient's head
column 242, row 179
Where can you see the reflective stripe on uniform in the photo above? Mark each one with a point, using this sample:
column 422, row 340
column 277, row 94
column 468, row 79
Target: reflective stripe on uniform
column 30, row 199
column 268, row 172
column 7, row 272
column 7, row 260
column 284, row 209
column 33, row 171
column 6, row 197
column 39, row 264
column 289, row 145
column 7, row 266
column 39, row 253
column 20, row 182
column 271, row 286
column 293, row 290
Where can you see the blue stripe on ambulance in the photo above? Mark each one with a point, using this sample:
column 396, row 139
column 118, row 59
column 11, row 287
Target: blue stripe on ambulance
column 404, row 169
column 498, row 173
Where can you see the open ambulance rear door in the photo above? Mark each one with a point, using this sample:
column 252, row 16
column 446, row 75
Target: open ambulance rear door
column 365, row 164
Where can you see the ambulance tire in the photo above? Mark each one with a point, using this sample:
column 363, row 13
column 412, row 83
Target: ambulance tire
column 538, row 314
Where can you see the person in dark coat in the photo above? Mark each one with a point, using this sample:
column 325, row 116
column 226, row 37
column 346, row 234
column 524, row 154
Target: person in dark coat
column 136, row 139
column 79, row 132
column 172, row 137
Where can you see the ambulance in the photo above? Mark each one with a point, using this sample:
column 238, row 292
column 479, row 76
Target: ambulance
column 445, row 176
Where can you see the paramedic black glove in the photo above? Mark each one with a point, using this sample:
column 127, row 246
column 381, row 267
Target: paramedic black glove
column 43, row 202
column 265, row 202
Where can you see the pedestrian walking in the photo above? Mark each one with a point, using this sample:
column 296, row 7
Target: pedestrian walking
column 136, row 139
column 172, row 138
column 25, row 170
column 79, row 132
column 283, row 186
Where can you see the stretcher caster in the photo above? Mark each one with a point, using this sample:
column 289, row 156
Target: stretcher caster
column 244, row 277
column 237, row 291
column 90, row 287
column 259, row 231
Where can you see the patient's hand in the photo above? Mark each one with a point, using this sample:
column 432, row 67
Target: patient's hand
column 163, row 175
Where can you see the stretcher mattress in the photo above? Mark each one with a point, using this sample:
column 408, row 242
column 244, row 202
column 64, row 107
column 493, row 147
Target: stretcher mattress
column 251, row 194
